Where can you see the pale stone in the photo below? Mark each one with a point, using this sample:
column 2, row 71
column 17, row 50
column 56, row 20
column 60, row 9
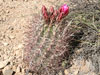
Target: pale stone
column 3, row 64
column 18, row 69
column 12, row 37
column 76, row 72
column 60, row 73
column 66, row 72
column 14, row 68
column 18, row 46
column 6, row 68
column 8, row 72
column 5, row 43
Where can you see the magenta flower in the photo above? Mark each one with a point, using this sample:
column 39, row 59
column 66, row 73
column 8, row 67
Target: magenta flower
column 64, row 9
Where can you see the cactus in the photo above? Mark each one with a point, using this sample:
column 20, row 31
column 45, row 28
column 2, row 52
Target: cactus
column 47, row 43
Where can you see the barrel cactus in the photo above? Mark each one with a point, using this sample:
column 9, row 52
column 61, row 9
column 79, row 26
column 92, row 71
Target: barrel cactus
column 48, row 39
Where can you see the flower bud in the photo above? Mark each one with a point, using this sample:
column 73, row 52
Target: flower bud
column 45, row 16
column 44, row 13
column 51, row 10
column 55, row 13
column 53, row 17
column 60, row 16
column 64, row 9
column 44, row 9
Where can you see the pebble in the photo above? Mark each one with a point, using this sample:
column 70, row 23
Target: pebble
column 60, row 73
column 12, row 37
column 14, row 68
column 18, row 47
column 5, row 44
column 66, row 72
column 6, row 68
column 8, row 72
column 18, row 69
column 3, row 63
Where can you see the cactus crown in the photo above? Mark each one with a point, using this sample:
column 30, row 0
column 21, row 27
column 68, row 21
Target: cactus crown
column 52, row 15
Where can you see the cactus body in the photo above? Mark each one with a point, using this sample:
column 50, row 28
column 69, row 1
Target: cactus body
column 46, row 45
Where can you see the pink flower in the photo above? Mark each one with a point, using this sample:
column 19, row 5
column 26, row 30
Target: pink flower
column 64, row 9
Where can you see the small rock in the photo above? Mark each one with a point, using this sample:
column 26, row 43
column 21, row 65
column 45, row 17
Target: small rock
column 60, row 73
column 12, row 37
column 5, row 44
column 76, row 72
column 3, row 64
column 17, row 52
column 18, row 47
column 14, row 68
column 66, row 72
column 6, row 68
column 8, row 72
column 23, row 70
column 18, row 69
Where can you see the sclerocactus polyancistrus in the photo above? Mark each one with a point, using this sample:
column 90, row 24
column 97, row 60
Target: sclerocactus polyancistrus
column 55, row 15
column 48, row 44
